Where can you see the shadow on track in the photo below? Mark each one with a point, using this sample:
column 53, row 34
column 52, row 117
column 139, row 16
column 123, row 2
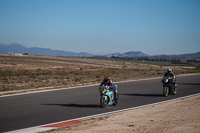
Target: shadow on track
column 76, row 105
column 144, row 95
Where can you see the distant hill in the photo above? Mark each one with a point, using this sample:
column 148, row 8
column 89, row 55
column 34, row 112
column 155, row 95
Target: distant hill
column 191, row 55
column 128, row 54
column 134, row 54
column 180, row 56
column 17, row 48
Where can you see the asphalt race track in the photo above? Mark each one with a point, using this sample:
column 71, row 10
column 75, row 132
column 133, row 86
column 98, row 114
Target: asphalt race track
column 29, row 110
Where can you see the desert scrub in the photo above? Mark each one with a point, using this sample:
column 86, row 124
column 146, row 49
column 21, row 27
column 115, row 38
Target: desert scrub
column 34, row 73
column 198, row 68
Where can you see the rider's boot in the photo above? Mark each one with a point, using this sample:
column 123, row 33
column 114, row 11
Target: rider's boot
column 175, row 87
column 115, row 95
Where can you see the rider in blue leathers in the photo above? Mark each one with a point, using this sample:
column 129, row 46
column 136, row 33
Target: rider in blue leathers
column 107, row 81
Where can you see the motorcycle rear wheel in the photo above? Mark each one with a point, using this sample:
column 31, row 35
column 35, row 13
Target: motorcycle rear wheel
column 174, row 92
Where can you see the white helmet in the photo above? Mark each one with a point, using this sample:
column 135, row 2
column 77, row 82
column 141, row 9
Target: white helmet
column 169, row 70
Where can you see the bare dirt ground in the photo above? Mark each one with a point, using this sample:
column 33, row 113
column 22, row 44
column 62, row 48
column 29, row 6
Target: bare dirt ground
column 181, row 116
column 19, row 74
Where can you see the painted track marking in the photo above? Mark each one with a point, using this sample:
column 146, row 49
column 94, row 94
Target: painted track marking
column 64, row 124
column 77, row 120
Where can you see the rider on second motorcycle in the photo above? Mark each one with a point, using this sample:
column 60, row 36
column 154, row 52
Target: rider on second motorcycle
column 170, row 74
column 107, row 81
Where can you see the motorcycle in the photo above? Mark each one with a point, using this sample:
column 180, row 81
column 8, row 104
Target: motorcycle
column 107, row 96
column 168, row 86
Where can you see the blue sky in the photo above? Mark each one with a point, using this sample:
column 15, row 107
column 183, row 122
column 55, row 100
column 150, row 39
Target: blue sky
column 103, row 26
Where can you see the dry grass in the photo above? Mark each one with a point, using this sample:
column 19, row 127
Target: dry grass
column 44, row 72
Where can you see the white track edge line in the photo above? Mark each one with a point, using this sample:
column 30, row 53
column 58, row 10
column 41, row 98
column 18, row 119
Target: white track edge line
column 41, row 128
column 126, row 109
column 182, row 75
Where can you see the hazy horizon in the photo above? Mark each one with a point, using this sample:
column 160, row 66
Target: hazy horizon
column 101, row 54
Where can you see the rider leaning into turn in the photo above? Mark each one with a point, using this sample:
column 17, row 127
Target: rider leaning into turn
column 107, row 81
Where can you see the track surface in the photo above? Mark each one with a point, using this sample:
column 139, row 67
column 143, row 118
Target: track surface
column 28, row 110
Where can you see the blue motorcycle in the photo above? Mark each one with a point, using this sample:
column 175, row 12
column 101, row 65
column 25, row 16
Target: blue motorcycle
column 107, row 96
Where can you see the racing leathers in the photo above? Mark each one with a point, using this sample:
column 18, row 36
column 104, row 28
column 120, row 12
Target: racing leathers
column 172, row 77
column 110, row 84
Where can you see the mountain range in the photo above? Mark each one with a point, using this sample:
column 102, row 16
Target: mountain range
column 128, row 54
column 18, row 48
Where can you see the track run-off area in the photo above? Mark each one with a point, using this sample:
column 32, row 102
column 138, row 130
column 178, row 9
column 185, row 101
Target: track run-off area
column 33, row 112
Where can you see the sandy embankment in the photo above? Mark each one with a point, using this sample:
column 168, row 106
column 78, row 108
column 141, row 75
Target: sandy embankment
column 181, row 116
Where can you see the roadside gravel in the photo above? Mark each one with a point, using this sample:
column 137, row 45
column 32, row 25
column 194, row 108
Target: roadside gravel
column 180, row 116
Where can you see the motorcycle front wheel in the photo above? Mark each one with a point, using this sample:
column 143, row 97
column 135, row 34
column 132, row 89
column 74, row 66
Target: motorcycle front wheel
column 165, row 91
column 104, row 101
